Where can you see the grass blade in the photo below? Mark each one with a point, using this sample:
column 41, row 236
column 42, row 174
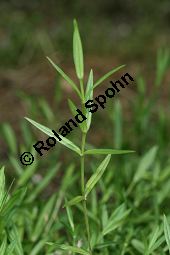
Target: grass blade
column 97, row 175
column 65, row 76
column 107, row 151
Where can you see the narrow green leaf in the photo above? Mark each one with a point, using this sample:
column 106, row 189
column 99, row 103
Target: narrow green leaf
column 107, row 75
column 78, row 52
column 107, row 151
column 65, row 76
column 64, row 140
column 72, row 107
column 158, row 243
column 89, row 96
column 116, row 219
column 2, row 185
column 74, row 201
column 69, row 215
column 154, row 236
column 70, row 248
column 97, row 175
column 167, row 232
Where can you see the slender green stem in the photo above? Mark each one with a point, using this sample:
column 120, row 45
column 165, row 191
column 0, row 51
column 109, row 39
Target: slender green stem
column 82, row 162
column 83, row 142
column 83, row 190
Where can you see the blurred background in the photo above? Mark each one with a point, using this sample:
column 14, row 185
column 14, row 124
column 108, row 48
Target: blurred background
column 131, row 32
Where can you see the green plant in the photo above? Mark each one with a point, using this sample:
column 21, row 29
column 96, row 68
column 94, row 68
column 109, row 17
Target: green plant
column 86, row 188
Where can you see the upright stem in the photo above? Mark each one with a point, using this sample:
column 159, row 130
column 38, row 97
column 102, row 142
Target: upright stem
column 83, row 142
column 83, row 191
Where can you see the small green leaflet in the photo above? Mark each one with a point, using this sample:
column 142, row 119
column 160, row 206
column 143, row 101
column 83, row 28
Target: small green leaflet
column 104, row 77
column 167, row 232
column 97, row 175
column 65, row 76
column 64, row 140
column 70, row 248
column 107, row 151
column 78, row 52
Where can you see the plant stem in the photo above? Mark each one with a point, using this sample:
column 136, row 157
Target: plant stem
column 83, row 191
column 83, row 142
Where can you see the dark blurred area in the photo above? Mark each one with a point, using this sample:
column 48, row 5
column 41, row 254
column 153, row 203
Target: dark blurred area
column 132, row 28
